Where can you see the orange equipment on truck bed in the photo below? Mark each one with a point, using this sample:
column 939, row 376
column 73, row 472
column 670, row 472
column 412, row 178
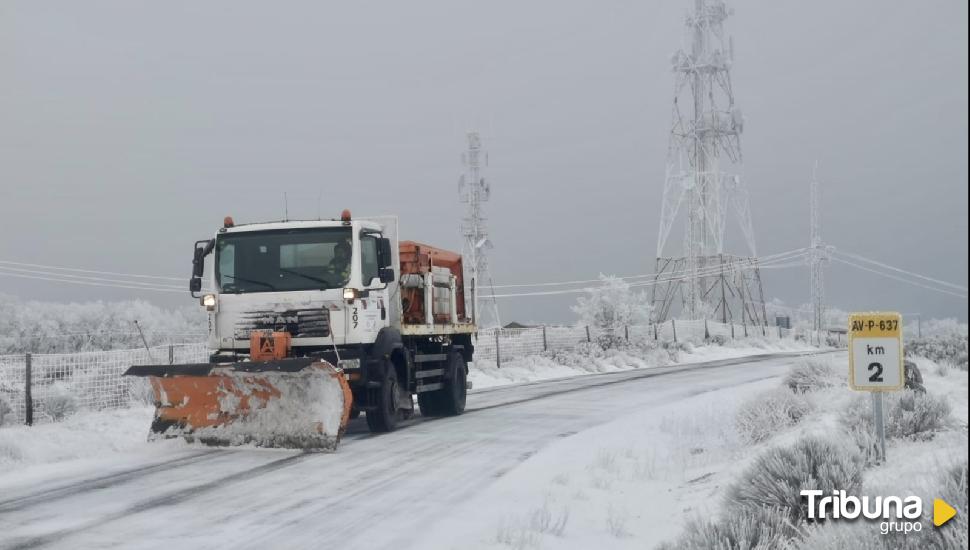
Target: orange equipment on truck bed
column 420, row 260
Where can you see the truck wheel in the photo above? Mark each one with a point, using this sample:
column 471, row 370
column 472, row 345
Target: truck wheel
column 453, row 395
column 384, row 416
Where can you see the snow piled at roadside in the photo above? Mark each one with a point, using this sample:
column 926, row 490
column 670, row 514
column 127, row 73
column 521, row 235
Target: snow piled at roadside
column 592, row 359
column 83, row 435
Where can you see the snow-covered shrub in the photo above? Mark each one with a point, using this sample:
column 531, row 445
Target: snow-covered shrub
column 718, row 340
column 953, row 489
column 943, row 341
column 750, row 528
column 60, row 402
column 811, row 374
column 6, row 411
column 613, row 305
column 908, row 415
column 777, row 476
column 767, row 413
column 860, row 535
column 857, row 535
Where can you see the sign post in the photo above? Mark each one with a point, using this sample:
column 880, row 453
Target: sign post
column 876, row 361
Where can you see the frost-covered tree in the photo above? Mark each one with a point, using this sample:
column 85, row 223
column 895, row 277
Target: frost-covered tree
column 51, row 327
column 613, row 304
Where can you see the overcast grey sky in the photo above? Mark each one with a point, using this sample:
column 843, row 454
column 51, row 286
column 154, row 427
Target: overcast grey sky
column 128, row 129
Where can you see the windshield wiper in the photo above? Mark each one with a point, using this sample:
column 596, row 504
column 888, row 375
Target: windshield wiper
column 255, row 282
column 305, row 276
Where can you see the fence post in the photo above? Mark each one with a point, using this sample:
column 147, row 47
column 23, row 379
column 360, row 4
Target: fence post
column 588, row 339
column 745, row 325
column 673, row 325
column 707, row 333
column 626, row 332
column 779, row 332
column 764, row 330
column 498, row 355
column 732, row 330
column 545, row 341
column 28, row 395
column 171, row 354
column 656, row 335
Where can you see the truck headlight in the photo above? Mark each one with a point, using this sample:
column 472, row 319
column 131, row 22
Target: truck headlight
column 209, row 301
column 350, row 294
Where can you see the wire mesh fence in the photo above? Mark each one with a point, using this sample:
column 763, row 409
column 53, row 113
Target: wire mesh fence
column 59, row 383
column 500, row 344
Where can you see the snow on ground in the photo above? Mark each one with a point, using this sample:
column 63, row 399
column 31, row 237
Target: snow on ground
column 631, row 483
column 634, row 483
column 90, row 434
column 593, row 360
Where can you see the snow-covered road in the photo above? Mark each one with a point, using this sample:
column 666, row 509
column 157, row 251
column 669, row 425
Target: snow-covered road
column 375, row 492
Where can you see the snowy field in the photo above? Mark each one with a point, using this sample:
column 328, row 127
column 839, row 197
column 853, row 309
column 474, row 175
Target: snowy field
column 629, row 452
column 103, row 433
column 637, row 481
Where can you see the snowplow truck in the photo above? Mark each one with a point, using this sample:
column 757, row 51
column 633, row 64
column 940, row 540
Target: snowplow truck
column 310, row 324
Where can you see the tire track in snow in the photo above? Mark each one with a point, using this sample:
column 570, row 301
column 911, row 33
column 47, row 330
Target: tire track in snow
column 103, row 482
column 168, row 499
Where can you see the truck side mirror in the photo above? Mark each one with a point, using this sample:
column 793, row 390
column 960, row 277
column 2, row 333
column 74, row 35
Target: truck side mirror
column 202, row 249
column 385, row 257
column 387, row 275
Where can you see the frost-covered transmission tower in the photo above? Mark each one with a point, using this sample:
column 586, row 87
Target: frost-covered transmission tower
column 474, row 190
column 818, row 255
column 703, row 186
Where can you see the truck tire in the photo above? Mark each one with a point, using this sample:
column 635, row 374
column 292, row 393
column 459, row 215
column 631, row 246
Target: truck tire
column 452, row 397
column 384, row 416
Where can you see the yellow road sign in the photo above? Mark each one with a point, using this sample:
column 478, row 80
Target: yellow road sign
column 876, row 352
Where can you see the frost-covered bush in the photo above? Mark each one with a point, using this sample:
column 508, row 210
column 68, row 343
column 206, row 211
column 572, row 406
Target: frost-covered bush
column 950, row 349
column 811, row 374
column 953, row 489
column 777, row 476
column 751, row 528
column 613, row 305
column 60, row 402
column 718, row 340
column 860, row 535
column 6, row 411
column 767, row 413
column 908, row 415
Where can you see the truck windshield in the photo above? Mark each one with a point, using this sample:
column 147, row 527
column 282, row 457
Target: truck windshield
column 282, row 260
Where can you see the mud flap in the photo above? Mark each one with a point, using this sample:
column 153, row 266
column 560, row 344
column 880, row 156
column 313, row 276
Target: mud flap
column 244, row 403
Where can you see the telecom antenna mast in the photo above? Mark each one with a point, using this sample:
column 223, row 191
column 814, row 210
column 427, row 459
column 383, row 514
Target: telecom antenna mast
column 818, row 255
column 474, row 190
column 702, row 186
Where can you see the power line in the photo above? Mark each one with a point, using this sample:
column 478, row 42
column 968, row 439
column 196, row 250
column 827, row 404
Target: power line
column 88, row 283
column 85, row 277
column 903, row 271
column 714, row 270
column 794, row 253
column 900, row 279
column 92, row 271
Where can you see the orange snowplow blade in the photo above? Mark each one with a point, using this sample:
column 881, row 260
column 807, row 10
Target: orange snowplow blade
column 304, row 407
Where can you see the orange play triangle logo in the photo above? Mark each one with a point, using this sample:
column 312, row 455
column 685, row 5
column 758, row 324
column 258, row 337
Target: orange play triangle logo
column 942, row 512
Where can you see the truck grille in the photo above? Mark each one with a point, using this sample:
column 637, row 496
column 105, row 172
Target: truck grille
column 300, row 323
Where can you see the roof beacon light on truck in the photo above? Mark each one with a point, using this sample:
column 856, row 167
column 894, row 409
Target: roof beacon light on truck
column 345, row 216
column 227, row 222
